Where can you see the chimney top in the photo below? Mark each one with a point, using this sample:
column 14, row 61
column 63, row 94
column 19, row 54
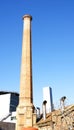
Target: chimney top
column 27, row 16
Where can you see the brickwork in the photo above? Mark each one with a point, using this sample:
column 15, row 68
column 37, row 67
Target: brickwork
column 25, row 115
column 57, row 120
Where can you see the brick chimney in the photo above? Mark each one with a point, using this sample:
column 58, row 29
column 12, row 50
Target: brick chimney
column 25, row 115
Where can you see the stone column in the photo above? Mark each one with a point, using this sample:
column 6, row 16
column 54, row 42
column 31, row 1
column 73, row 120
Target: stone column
column 25, row 107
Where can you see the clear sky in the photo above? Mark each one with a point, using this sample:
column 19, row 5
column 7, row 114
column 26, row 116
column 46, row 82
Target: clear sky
column 52, row 46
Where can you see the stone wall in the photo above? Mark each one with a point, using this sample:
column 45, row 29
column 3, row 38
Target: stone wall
column 7, row 126
column 58, row 120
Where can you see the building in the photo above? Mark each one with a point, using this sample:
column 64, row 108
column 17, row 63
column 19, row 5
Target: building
column 8, row 104
column 47, row 95
column 56, row 120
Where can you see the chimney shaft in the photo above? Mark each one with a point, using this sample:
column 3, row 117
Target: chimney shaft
column 26, row 95
column 25, row 114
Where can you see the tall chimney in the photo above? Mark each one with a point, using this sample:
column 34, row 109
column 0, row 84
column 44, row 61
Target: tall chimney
column 25, row 107
column 26, row 96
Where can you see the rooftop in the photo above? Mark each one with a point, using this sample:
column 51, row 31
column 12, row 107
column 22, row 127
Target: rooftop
column 8, row 92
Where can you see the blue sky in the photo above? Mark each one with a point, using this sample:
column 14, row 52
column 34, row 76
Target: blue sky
column 52, row 46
